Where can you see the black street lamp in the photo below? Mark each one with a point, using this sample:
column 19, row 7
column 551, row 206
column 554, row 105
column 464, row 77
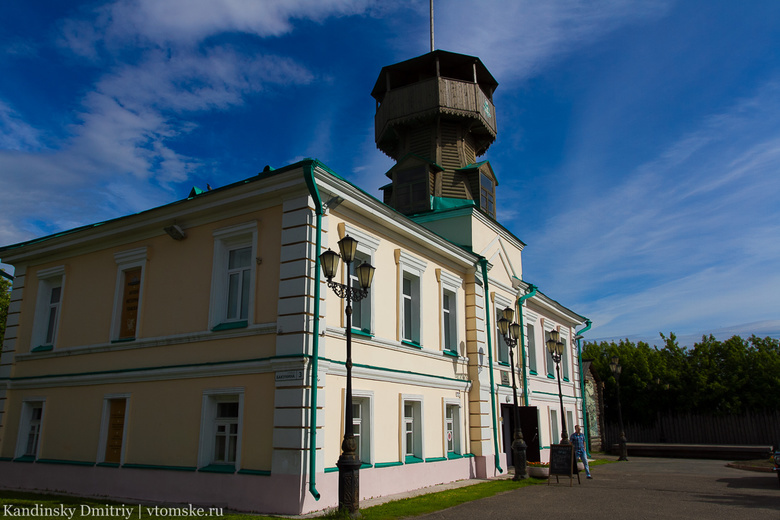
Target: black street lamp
column 616, row 371
column 511, row 332
column 349, row 462
column 555, row 348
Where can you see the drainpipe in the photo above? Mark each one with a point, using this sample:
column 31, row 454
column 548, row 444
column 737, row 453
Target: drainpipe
column 483, row 263
column 578, row 335
column 522, row 339
column 308, row 175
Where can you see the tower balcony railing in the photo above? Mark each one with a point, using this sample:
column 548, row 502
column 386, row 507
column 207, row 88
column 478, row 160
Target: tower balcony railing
column 446, row 95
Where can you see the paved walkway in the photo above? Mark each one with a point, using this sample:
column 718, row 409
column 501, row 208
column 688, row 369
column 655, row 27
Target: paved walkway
column 642, row 488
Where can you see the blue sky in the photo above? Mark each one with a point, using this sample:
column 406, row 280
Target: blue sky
column 638, row 147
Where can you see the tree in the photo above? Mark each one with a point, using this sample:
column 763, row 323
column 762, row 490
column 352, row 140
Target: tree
column 5, row 301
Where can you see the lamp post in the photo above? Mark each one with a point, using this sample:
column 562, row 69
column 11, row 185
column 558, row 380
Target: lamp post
column 616, row 371
column 511, row 332
column 555, row 348
column 349, row 462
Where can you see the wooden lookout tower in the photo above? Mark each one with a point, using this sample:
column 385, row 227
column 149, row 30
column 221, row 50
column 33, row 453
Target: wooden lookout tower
column 435, row 116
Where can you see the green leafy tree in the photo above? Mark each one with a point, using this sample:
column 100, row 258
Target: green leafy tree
column 5, row 300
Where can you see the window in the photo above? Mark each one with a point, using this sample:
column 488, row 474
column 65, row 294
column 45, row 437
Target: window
column 487, row 195
column 128, row 294
column 565, row 358
column 452, row 428
column 238, row 281
column 555, row 430
column 410, row 298
column 531, row 348
column 367, row 245
column 226, row 433
column 361, row 310
column 232, row 279
column 569, row 422
column 411, row 309
column 550, row 362
column 412, row 431
column 29, row 439
column 110, row 450
column 502, row 348
column 449, row 310
column 361, row 426
column 411, row 190
column 221, row 425
column 47, row 308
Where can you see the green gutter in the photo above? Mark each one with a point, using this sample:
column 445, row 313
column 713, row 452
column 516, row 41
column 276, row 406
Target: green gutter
column 522, row 339
column 308, row 175
column 488, row 331
column 578, row 337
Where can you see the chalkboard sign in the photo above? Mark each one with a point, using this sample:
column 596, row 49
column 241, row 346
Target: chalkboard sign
column 561, row 459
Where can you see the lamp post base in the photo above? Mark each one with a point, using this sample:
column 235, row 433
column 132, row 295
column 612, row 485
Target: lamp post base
column 349, row 479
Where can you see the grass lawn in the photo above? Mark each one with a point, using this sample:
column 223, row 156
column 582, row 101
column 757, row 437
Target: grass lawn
column 33, row 505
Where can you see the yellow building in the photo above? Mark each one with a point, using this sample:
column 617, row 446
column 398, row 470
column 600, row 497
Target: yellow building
column 193, row 353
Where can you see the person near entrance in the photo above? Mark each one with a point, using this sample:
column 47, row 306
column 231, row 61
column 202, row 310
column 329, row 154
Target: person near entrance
column 578, row 441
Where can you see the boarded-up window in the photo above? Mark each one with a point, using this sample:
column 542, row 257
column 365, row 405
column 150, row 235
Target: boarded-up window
column 116, row 430
column 130, row 301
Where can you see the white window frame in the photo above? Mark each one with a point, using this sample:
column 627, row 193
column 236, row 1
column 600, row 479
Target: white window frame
column 555, row 428
column 365, row 400
column 450, row 284
column 565, row 356
column 549, row 363
column 104, row 424
column 225, row 240
column 48, row 280
column 126, row 261
column 208, row 424
column 457, row 436
column 25, row 422
column 530, row 320
column 500, row 303
column 367, row 247
column 411, row 268
column 418, row 427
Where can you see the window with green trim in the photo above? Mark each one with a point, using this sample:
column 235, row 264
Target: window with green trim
column 361, row 310
column 47, row 308
column 233, row 277
column 412, row 429
column 531, row 347
column 452, row 428
column 30, row 427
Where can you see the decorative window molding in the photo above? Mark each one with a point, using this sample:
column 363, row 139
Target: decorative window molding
column 449, row 286
column 233, row 277
column 362, row 424
column 221, row 427
column 410, row 298
column 128, row 294
column 48, row 306
column 502, row 349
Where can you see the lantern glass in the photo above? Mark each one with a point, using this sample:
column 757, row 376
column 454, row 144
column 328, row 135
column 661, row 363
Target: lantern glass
column 559, row 347
column 348, row 248
column 551, row 343
column 365, row 274
column 329, row 260
column 503, row 326
column 555, row 335
column 509, row 314
column 514, row 331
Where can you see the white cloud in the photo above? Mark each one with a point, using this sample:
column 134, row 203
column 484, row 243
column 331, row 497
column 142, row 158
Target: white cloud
column 691, row 237
column 516, row 39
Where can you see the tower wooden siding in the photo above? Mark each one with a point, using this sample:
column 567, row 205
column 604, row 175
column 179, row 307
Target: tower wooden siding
column 428, row 97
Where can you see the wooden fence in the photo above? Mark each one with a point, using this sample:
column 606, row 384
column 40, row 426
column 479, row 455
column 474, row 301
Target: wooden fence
column 740, row 430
